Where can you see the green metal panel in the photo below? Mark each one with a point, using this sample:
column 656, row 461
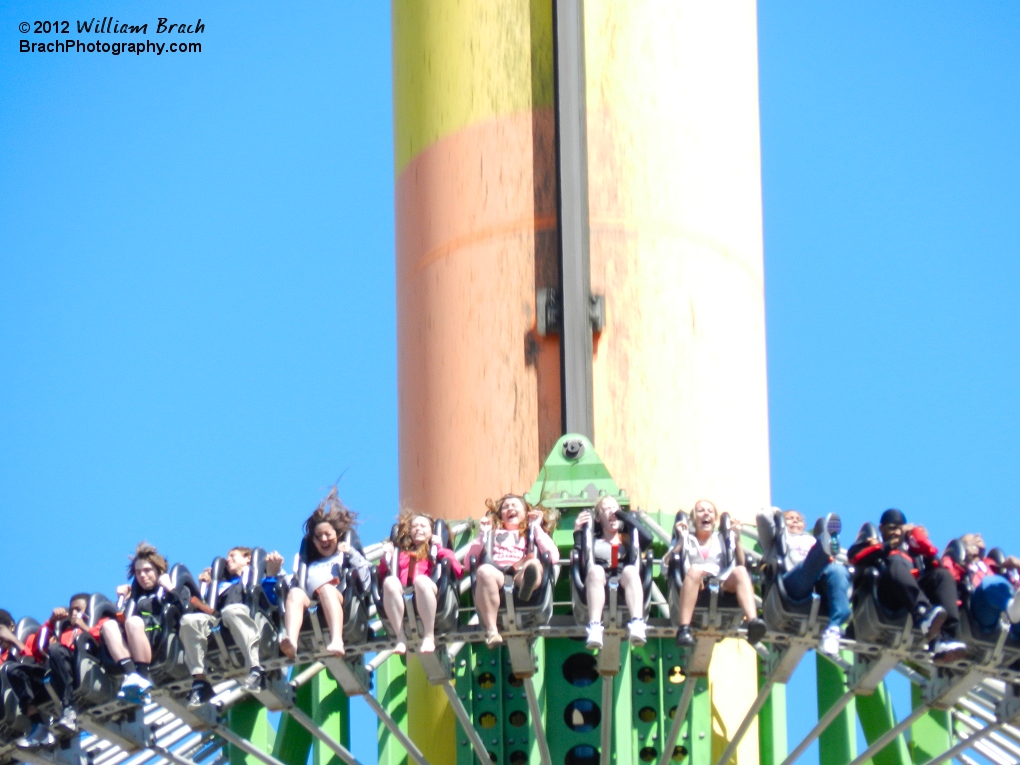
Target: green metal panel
column 497, row 703
column 932, row 734
column 772, row 722
column 248, row 719
column 574, row 704
column 648, row 681
column 292, row 740
column 877, row 716
column 624, row 691
column 391, row 681
column 838, row 743
column 331, row 712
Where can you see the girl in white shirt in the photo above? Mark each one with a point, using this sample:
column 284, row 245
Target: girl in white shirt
column 704, row 550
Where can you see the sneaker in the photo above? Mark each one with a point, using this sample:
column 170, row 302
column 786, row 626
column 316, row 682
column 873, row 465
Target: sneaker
column 1013, row 610
column 134, row 689
column 684, row 638
column 637, row 632
column 39, row 736
column 531, row 578
column 948, row 651
column 826, row 531
column 68, row 722
column 829, row 642
column 930, row 622
column 201, row 693
column 595, row 632
column 756, row 630
column 256, row 680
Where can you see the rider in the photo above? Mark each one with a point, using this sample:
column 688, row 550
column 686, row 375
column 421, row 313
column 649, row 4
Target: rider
column 705, row 550
column 509, row 520
column 24, row 666
column 325, row 552
column 912, row 578
column 154, row 594
column 61, row 654
column 415, row 537
column 813, row 559
column 232, row 609
column 613, row 551
column 993, row 591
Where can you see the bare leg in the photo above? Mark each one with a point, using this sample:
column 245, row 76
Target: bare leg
column 393, row 603
column 425, row 594
column 332, row 604
column 489, row 580
column 297, row 604
column 630, row 580
column 138, row 642
column 739, row 582
column 595, row 586
column 689, row 594
column 114, row 641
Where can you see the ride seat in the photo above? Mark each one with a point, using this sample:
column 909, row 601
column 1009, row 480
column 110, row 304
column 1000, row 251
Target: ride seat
column 782, row 612
column 538, row 609
column 715, row 609
column 580, row 563
column 873, row 621
column 12, row 723
column 97, row 683
column 223, row 651
column 356, row 600
column 447, row 596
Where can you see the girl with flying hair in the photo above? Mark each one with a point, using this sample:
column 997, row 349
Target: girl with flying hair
column 509, row 520
column 415, row 537
column 324, row 550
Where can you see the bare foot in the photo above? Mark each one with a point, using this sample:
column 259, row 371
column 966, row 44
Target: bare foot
column 287, row 647
column 428, row 645
column 493, row 638
column 400, row 647
column 336, row 648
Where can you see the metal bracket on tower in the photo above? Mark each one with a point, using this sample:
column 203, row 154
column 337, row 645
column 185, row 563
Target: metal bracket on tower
column 549, row 312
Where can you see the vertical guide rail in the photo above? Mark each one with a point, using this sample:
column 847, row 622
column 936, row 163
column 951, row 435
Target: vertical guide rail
column 678, row 721
column 606, row 739
column 536, row 721
column 465, row 722
column 572, row 206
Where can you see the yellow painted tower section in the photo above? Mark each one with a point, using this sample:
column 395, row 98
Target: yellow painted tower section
column 680, row 397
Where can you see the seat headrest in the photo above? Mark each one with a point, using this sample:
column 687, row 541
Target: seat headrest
column 956, row 551
column 26, row 626
column 442, row 530
column 98, row 606
column 997, row 556
column 394, row 533
column 219, row 569
column 868, row 531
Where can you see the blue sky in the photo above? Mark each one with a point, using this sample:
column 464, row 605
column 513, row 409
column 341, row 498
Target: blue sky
column 197, row 330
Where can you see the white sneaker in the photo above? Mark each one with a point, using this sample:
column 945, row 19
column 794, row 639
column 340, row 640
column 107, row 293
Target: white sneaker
column 829, row 642
column 39, row 736
column 1013, row 610
column 595, row 632
column 637, row 632
column 135, row 680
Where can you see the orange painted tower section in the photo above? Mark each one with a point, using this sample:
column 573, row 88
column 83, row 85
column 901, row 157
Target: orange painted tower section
column 679, row 375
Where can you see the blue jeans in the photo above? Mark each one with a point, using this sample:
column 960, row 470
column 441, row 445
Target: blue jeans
column 801, row 579
column 989, row 600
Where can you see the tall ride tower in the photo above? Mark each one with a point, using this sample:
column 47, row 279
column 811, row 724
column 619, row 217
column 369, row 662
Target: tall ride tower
column 650, row 158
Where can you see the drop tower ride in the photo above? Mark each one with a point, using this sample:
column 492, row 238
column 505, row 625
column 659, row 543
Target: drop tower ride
column 579, row 249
